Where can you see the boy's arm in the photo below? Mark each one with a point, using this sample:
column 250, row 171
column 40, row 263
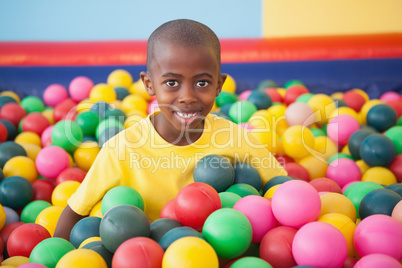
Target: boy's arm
column 66, row 222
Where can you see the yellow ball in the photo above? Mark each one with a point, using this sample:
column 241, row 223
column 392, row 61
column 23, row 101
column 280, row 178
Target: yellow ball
column 323, row 106
column 298, row 141
column 362, row 93
column 190, row 252
column 2, row 217
column 28, row 137
column 120, row 77
column 229, row 85
column 271, row 191
column 48, row 113
column 380, row 175
column 268, row 138
column 344, row 110
column 343, row 224
column 81, row 258
column 89, row 240
column 48, row 218
column 260, row 119
column 337, row 203
column 337, row 95
column 281, row 91
column 21, row 166
column 276, row 117
column 134, row 102
column 138, row 88
column 324, row 147
column 362, row 166
column 96, row 210
column 84, row 105
column 32, row 150
column 85, row 154
column 15, row 261
column 345, row 150
column 366, row 107
column 62, row 192
column 316, row 166
column 12, row 95
column 102, row 92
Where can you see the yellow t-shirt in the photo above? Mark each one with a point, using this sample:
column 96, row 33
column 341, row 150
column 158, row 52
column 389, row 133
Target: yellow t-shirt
column 140, row 158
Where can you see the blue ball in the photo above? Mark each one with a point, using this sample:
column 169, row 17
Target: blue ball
column 381, row 117
column 161, row 226
column 83, row 229
column 275, row 181
column 379, row 201
column 121, row 92
column 16, row 192
column 99, row 248
column 377, row 150
column 356, row 140
column 246, row 173
column 8, row 150
column 260, row 99
column 396, row 187
column 177, row 233
column 100, row 108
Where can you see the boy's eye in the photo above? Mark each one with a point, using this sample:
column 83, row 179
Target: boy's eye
column 202, row 84
column 172, row 83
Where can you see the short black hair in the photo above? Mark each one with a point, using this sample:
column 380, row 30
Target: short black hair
column 186, row 33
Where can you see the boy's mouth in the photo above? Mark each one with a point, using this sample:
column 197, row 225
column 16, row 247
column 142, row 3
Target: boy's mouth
column 186, row 118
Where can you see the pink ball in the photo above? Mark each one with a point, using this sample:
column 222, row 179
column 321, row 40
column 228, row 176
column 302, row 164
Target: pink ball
column 54, row 94
column 51, row 161
column 343, row 171
column 258, row 211
column 31, row 265
column 341, row 127
column 153, row 106
column 296, row 203
column 378, row 234
column 246, row 126
column 390, row 96
column 80, row 87
column 46, row 135
column 244, row 95
column 299, row 114
column 376, row 261
column 319, row 244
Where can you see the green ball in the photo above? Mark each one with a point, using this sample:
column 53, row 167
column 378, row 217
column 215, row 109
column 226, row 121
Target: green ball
column 399, row 122
column 241, row 111
column 88, row 122
column 304, row 98
column 395, row 134
column 317, row 132
column 229, row 232
column 32, row 210
column 121, row 195
column 67, row 135
column 106, row 123
column 32, row 104
column 229, row 199
column 293, row 82
column 225, row 97
column 243, row 189
column 266, row 84
column 247, row 262
column 358, row 190
column 337, row 156
column 48, row 252
column 116, row 114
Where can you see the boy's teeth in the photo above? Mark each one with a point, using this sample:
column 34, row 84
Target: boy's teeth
column 184, row 115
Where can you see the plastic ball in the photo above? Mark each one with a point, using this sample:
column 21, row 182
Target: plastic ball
column 343, row 171
column 397, row 212
column 138, row 88
column 326, row 185
column 396, row 167
column 258, row 211
column 225, row 98
column 83, row 229
column 43, row 190
column 48, row 218
column 339, row 156
column 11, row 94
column 30, row 265
column 397, row 106
column 63, row 191
column 241, row 111
column 16, row 192
column 51, row 161
column 81, row 258
column 88, row 243
column 229, row 240
column 161, row 226
column 267, row 137
column 21, row 166
column 102, row 92
column 31, row 211
column 378, row 234
column 296, row 203
column 297, row 141
column 71, row 174
column 377, row 260
column 121, row 223
column 54, row 94
column 354, row 100
column 122, row 195
column 260, row 99
column 244, row 95
column 246, row 173
column 250, row 262
column 304, row 98
column 275, row 181
column 100, row 108
column 66, row 110
column 14, row 261
column 379, row 175
column 395, row 135
column 344, row 224
column 35, row 122
column 395, row 187
column 32, row 104
column 134, row 102
column 229, row 85
column 341, row 127
column 326, row 245
column 176, row 233
column 67, row 135
column 355, row 141
column 274, row 94
column 13, row 113
column 214, row 170
column 324, row 148
column 337, row 203
column 243, row 189
column 80, row 87
column 121, row 92
column 28, row 137
column 377, row 150
column 168, row 210
column 8, row 150
column 228, row 199
column 120, row 77
column 297, row 171
column 356, row 191
column 316, row 166
column 323, row 106
column 85, row 155
column 88, row 122
column 10, row 128
column 381, row 117
column 24, row 238
column 299, row 113
column 49, row 251
column 3, row 133
column 10, row 216
column 293, row 92
column 379, row 201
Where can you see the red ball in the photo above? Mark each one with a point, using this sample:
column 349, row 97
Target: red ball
column 326, row 185
column 397, row 105
column 276, row 247
column 293, row 92
column 298, row 171
column 71, row 174
column 12, row 112
column 65, row 110
column 139, row 252
column 35, row 122
column 168, row 210
column 24, row 238
column 194, row 203
column 7, row 230
column 3, row 133
column 283, row 159
column 396, row 167
column 274, row 94
column 43, row 190
column 353, row 100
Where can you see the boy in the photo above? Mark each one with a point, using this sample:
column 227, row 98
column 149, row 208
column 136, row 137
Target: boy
column 157, row 155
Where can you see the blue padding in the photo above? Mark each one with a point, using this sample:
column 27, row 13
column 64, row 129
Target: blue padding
column 373, row 76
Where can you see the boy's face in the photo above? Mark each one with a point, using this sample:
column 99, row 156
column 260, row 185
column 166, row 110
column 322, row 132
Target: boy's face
column 186, row 82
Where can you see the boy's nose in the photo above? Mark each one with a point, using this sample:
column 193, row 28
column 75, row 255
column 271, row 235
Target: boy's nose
column 187, row 95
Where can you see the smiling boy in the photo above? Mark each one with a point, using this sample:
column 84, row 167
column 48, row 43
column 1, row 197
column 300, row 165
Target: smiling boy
column 157, row 155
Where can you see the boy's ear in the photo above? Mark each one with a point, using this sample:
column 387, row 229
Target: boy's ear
column 146, row 79
column 221, row 80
